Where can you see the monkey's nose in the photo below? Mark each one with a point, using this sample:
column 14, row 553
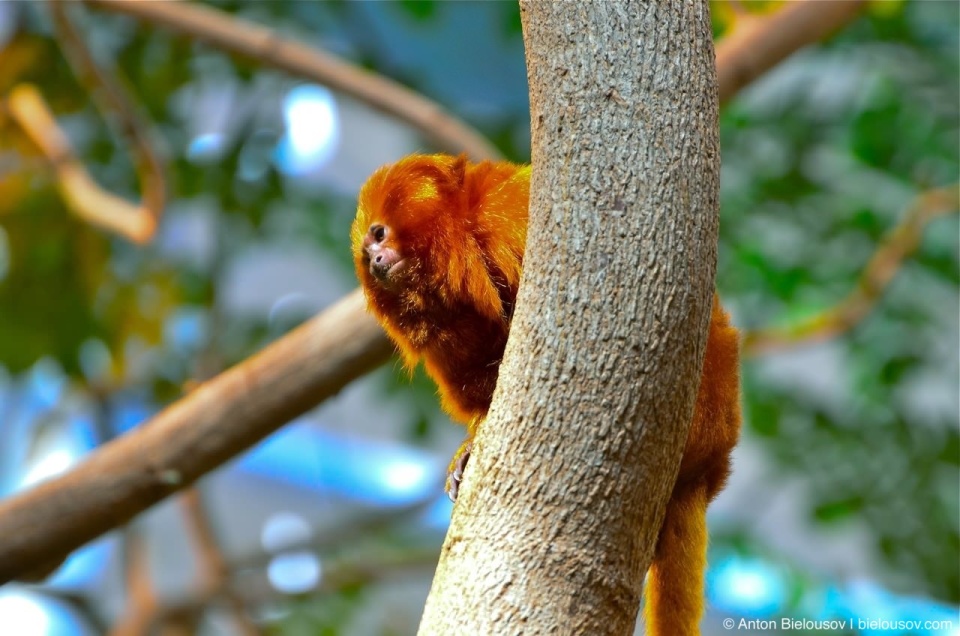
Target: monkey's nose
column 382, row 259
column 380, row 263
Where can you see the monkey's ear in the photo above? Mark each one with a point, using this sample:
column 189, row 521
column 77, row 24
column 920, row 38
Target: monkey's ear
column 459, row 169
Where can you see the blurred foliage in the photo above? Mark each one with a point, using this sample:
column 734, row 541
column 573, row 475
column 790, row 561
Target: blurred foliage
column 819, row 163
column 821, row 159
column 323, row 616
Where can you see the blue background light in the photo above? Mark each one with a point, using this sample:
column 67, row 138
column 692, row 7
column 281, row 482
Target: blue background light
column 312, row 130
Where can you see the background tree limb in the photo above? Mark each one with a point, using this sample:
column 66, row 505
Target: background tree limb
column 219, row 419
column 757, row 44
column 118, row 107
column 83, row 196
column 898, row 244
column 233, row 34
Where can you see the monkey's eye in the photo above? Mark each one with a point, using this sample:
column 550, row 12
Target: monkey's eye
column 378, row 232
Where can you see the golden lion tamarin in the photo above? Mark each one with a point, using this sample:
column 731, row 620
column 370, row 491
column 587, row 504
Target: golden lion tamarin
column 438, row 245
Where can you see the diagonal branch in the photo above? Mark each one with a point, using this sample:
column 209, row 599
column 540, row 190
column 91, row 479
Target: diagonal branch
column 215, row 422
column 879, row 271
column 264, row 45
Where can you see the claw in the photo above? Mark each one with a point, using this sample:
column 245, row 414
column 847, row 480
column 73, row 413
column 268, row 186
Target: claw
column 453, row 488
column 455, row 476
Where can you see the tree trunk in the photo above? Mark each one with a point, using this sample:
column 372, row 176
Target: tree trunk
column 566, row 487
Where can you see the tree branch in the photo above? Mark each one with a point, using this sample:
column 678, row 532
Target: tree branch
column 757, row 44
column 214, row 569
column 244, row 583
column 263, row 45
column 879, row 271
column 338, row 574
column 81, row 193
column 142, row 600
column 112, row 99
column 213, row 423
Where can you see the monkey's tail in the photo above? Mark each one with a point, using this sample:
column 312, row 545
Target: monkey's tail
column 675, row 581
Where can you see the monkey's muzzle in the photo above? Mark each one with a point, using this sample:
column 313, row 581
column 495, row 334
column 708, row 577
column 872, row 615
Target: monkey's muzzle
column 383, row 260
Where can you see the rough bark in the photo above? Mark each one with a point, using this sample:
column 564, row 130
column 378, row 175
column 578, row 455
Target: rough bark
column 566, row 488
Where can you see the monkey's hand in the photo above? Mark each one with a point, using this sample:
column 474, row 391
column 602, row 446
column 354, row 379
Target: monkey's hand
column 455, row 471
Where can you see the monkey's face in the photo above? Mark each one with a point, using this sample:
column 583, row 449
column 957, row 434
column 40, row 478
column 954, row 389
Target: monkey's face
column 381, row 257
